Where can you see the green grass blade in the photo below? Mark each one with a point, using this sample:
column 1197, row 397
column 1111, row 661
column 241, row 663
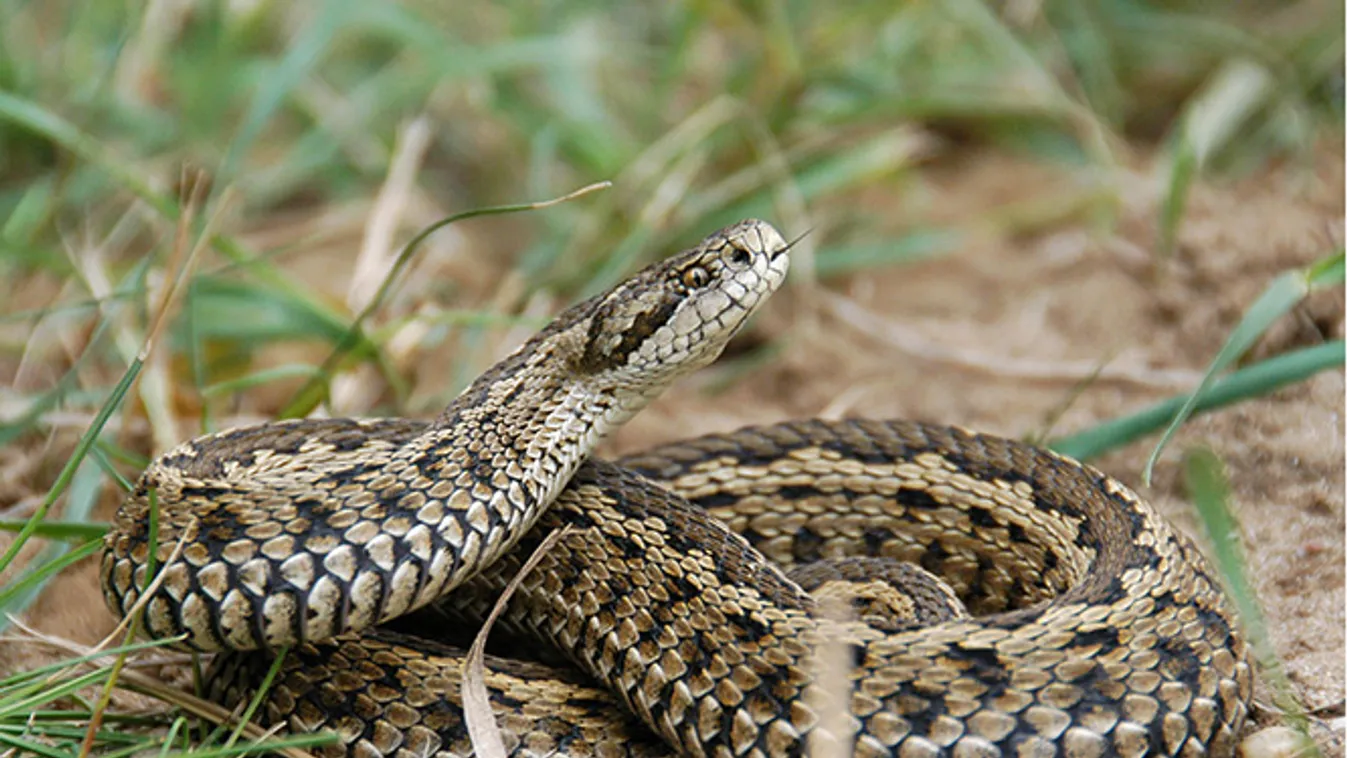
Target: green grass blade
column 918, row 245
column 72, row 465
column 1259, row 379
column 832, row 174
column 40, row 693
column 459, row 60
column 1213, row 118
column 1327, row 271
column 48, row 400
column 1204, row 475
column 29, row 747
column 252, row 313
column 29, row 214
column 60, row 530
column 68, row 732
column 1281, row 295
column 19, row 678
column 259, row 378
column 259, row 696
column 100, row 456
column 66, row 724
column 69, row 308
column 17, row 595
column 38, row 717
column 139, row 748
column 178, row 724
column 40, row 121
column 66, row 386
column 1182, row 170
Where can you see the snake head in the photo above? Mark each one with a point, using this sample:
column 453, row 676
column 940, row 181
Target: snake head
column 678, row 314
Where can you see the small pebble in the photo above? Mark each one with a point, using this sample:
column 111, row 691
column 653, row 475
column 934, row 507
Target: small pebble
column 1274, row 742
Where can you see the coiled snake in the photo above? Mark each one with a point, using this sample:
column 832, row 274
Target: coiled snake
column 1091, row 626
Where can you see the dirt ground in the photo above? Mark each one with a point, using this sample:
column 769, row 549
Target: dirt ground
column 997, row 336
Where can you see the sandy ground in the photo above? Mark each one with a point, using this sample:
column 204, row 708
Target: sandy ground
column 997, row 336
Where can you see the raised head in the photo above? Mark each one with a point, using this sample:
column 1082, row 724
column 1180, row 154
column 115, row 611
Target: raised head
column 678, row 314
column 603, row 359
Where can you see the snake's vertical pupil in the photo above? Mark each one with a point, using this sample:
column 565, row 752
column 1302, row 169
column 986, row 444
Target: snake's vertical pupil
column 696, row 277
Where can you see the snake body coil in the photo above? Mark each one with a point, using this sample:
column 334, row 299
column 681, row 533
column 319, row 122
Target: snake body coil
column 1091, row 626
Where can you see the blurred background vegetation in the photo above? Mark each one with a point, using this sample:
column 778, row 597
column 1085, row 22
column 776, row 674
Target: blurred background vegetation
column 286, row 119
column 701, row 112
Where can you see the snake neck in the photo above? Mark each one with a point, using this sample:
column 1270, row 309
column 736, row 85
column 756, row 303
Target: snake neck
column 511, row 441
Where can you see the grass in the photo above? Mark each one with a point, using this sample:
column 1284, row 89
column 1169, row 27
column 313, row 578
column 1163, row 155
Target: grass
column 168, row 180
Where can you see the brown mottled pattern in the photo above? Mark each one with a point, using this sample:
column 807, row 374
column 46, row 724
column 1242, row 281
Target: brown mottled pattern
column 1110, row 635
column 1092, row 627
column 883, row 592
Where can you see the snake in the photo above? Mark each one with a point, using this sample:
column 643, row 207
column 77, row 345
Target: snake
column 1030, row 605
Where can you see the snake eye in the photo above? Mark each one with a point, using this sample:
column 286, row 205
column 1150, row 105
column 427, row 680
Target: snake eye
column 696, row 277
column 741, row 257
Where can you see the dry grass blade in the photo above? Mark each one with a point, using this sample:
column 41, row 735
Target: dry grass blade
column 831, row 694
column 911, row 342
column 482, row 728
column 150, row 591
column 156, row 381
column 376, row 256
column 354, row 391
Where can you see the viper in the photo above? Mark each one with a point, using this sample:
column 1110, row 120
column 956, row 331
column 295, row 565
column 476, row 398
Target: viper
column 826, row 587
